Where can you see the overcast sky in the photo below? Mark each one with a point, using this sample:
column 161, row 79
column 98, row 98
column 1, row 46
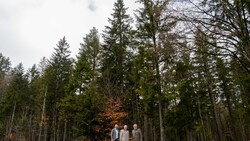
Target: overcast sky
column 30, row 29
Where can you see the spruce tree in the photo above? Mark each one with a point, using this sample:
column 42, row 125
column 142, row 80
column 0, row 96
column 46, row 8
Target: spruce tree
column 154, row 34
column 117, row 42
column 83, row 103
column 56, row 80
column 18, row 99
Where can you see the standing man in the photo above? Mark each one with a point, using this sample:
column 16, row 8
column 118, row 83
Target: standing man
column 136, row 134
column 124, row 134
column 115, row 133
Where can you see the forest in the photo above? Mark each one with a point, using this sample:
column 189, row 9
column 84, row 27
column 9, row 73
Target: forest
column 181, row 75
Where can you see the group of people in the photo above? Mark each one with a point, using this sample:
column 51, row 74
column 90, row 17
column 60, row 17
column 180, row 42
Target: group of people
column 123, row 135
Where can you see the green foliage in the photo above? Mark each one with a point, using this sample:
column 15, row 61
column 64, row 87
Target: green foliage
column 116, row 55
column 4, row 64
column 5, row 67
column 83, row 103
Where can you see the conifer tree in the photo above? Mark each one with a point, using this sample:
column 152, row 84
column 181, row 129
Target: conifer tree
column 57, row 78
column 18, row 99
column 154, row 33
column 116, row 56
column 83, row 103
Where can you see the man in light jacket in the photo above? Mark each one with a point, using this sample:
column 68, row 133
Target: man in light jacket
column 115, row 133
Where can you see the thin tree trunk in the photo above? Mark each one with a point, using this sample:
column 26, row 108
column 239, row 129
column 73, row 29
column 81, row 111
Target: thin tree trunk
column 242, row 131
column 189, row 135
column 216, row 117
column 203, row 137
column 17, row 135
column 158, row 81
column 151, row 133
column 209, row 130
column 45, row 132
column 145, row 126
column 7, row 130
column 54, row 124
column 65, row 131
column 217, row 123
column 58, row 131
column 12, row 119
column 161, row 122
column 213, row 104
column 232, row 125
column 30, row 129
column 43, row 114
column 155, row 139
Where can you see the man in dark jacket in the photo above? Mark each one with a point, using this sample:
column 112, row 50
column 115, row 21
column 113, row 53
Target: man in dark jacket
column 115, row 133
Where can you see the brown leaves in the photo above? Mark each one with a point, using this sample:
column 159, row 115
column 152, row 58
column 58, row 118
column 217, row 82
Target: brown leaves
column 110, row 116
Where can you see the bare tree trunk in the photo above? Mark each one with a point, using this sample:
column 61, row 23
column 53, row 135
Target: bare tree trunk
column 30, row 129
column 155, row 139
column 209, row 130
column 54, row 124
column 11, row 122
column 151, row 130
column 213, row 104
column 158, row 81
column 232, row 125
column 145, row 133
column 243, row 131
column 216, row 117
column 161, row 122
column 43, row 115
column 65, row 131
column 45, row 132
column 58, row 130
column 189, row 135
column 202, row 135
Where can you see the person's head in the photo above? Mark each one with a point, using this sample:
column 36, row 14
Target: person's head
column 116, row 126
column 125, row 127
column 135, row 126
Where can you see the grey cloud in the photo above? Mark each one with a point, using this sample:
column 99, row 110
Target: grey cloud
column 92, row 5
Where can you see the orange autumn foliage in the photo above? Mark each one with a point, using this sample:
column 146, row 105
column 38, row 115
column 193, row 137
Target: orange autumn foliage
column 109, row 117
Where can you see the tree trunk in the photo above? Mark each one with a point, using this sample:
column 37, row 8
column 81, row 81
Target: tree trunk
column 58, row 130
column 151, row 133
column 158, row 82
column 30, row 129
column 155, row 139
column 215, row 114
column 11, row 122
column 208, row 78
column 161, row 122
column 145, row 127
column 189, row 134
column 232, row 121
column 202, row 135
column 65, row 131
column 54, row 124
column 45, row 132
column 43, row 119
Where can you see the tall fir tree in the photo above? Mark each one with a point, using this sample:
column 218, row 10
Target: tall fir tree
column 5, row 68
column 18, row 99
column 117, row 43
column 83, row 103
column 154, row 34
column 206, row 77
column 56, row 80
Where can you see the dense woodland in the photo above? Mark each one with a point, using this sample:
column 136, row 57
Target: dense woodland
column 181, row 75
